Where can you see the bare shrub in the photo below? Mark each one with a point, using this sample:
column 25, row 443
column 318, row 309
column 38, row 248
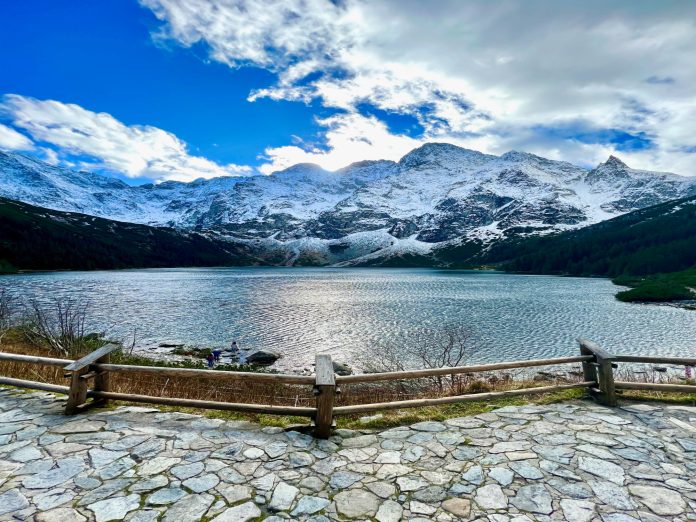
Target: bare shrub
column 449, row 347
column 60, row 326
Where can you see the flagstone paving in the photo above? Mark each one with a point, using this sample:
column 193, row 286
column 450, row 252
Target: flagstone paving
column 574, row 461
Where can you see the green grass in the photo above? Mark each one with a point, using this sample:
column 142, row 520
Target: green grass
column 675, row 286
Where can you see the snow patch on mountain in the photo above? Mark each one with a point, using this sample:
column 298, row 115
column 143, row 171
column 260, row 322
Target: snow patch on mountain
column 435, row 194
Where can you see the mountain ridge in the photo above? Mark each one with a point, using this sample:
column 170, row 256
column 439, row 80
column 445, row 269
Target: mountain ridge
column 437, row 194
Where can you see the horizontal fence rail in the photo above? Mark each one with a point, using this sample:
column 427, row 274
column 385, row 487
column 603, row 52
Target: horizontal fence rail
column 419, row 403
column 31, row 359
column 208, row 374
column 209, row 405
column 597, row 370
column 455, row 370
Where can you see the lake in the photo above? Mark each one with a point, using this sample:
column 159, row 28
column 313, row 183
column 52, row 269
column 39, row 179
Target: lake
column 348, row 313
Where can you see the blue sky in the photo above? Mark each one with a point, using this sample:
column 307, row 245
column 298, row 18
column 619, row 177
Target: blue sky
column 180, row 89
column 99, row 55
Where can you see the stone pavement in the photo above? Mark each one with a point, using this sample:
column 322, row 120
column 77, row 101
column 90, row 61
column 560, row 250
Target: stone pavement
column 573, row 461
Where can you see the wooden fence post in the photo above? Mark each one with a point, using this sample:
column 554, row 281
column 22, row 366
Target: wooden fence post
column 600, row 370
column 78, row 391
column 81, row 372
column 101, row 380
column 325, row 390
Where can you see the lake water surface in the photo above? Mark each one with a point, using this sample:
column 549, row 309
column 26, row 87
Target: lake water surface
column 303, row 311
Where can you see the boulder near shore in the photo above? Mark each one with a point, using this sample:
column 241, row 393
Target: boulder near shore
column 263, row 358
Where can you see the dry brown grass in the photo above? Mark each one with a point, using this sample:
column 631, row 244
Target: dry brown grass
column 241, row 391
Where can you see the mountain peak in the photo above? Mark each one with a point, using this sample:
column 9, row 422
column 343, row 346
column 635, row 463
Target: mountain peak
column 434, row 151
column 613, row 161
column 300, row 168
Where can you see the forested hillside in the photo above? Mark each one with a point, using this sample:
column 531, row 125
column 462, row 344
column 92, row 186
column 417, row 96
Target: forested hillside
column 34, row 238
column 657, row 239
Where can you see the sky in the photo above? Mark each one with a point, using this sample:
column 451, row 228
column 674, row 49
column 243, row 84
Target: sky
column 154, row 90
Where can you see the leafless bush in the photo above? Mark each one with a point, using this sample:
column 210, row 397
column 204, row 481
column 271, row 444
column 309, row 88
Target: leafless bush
column 7, row 311
column 448, row 347
column 59, row 326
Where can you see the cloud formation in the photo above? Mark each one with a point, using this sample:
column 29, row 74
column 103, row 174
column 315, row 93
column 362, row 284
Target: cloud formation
column 493, row 76
column 101, row 141
column 10, row 139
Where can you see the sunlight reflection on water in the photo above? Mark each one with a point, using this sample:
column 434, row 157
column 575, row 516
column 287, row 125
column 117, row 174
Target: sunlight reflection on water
column 301, row 311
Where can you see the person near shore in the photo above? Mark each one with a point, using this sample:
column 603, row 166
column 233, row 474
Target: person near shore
column 217, row 352
column 234, row 346
column 211, row 360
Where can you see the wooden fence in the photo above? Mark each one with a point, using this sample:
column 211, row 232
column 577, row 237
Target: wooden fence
column 597, row 370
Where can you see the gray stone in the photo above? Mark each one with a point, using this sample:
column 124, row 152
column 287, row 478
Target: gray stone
column 474, row 475
column 611, row 494
column 430, row 495
column 514, row 445
column 114, row 508
column 309, row 505
column 344, row 479
column 275, row 449
column 149, row 484
column 502, row 476
column 202, row 483
column 101, row 457
column 491, row 497
column 185, row 471
column 411, row 483
column 428, row 426
column 60, row 515
column 263, row 358
column 65, row 470
column 603, row 469
column 661, row 501
column 145, row 515
column 236, row 493
column 12, row 500
column 241, row 513
column 165, row 496
column 299, row 459
column 158, row 465
column 52, row 499
column 81, row 426
column 577, row 510
column 526, row 470
column 25, row 454
column 283, row 497
column 356, row 503
column 389, row 511
column 533, row 498
column 459, row 507
column 420, row 508
column 190, row 507
column 466, row 453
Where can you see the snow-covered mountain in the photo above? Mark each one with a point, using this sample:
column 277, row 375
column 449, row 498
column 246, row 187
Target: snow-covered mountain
column 436, row 194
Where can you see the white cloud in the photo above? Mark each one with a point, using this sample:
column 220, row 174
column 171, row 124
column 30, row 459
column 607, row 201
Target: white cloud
column 134, row 150
column 349, row 138
column 495, row 74
column 271, row 33
column 12, row 140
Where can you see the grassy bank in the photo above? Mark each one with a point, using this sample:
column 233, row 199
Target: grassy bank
column 676, row 286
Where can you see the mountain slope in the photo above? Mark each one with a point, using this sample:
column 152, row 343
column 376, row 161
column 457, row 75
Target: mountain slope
column 34, row 238
column 658, row 239
column 376, row 212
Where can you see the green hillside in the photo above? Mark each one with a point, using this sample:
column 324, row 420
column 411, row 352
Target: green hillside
column 653, row 250
column 34, row 238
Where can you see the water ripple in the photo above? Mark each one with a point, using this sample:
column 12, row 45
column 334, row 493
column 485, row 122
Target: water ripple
column 301, row 312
